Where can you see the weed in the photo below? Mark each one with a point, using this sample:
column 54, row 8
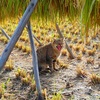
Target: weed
column 9, row 65
column 80, row 72
column 25, row 81
column 83, row 49
column 95, row 79
column 64, row 52
column 3, row 87
column 1, row 90
column 91, row 52
column 90, row 60
column 79, row 41
column 71, row 45
column 79, row 56
column 57, row 96
column 20, row 73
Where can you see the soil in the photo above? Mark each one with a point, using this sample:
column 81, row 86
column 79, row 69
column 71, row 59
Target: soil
column 65, row 80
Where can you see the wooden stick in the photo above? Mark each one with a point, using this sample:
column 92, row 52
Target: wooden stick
column 68, row 48
column 58, row 30
column 7, row 36
column 35, row 63
column 17, row 33
column 35, row 38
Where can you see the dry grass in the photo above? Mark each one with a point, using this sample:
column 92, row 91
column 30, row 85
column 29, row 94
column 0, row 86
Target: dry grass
column 80, row 72
column 20, row 73
column 64, row 52
column 95, row 79
column 79, row 56
column 91, row 52
column 1, row 91
column 90, row 60
column 9, row 65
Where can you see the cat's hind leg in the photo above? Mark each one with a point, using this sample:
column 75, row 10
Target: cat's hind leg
column 42, row 67
column 50, row 63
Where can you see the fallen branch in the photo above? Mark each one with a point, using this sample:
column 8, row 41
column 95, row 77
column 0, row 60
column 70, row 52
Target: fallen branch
column 68, row 48
column 7, row 36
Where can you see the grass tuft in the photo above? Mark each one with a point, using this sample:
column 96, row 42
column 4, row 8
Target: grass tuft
column 95, row 79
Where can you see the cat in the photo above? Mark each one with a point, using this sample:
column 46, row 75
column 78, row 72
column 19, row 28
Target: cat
column 48, row 54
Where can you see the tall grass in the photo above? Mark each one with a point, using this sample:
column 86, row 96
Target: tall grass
column 57, row 9
column 12, row 8
column 90, row 14
column 46, row 9
column 54, row 10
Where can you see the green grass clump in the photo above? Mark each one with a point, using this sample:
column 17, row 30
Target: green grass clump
column 90, row 14
column 57, row 96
